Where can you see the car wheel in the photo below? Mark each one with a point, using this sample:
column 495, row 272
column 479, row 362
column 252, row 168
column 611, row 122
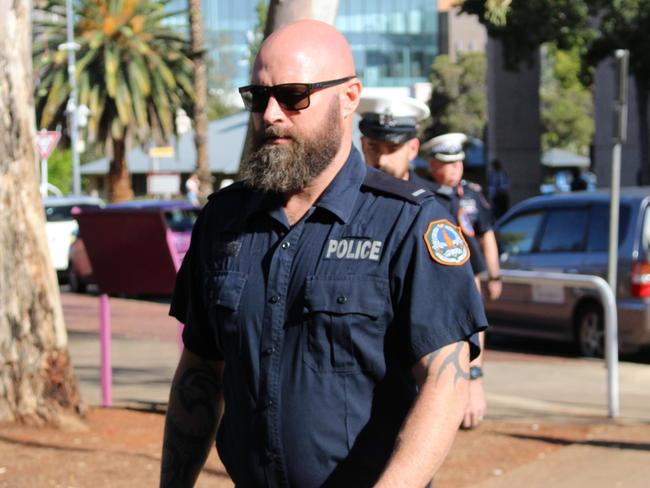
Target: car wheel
column 77, row 285
column 590, row 331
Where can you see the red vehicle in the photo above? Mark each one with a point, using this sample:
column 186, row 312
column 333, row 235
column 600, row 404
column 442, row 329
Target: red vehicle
column 179, row 216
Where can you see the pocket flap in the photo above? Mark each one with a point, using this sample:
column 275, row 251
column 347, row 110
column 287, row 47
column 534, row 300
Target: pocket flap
column 366, row 295
column 225, row 288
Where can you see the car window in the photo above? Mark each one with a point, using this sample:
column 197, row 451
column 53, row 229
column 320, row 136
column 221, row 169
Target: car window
column 59, row 213
column 517, row 235
column 564, row 230
column 598, row 240
column 181, row 219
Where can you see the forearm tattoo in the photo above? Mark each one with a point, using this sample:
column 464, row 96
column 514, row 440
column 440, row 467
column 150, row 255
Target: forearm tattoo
column 190, row 426
column 453, row 359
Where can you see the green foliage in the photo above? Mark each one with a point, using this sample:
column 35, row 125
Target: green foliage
column 132, row 68
column 59, row 170
column 625, row 24
column 566, row 105
column 218, row 108
column 261, row 11
column 531, row 23
column 458, row 98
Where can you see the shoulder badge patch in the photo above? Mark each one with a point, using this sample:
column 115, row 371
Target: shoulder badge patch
column 465, row 222
column 446, row 243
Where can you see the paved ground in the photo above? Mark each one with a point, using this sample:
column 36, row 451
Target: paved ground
column 547, row 421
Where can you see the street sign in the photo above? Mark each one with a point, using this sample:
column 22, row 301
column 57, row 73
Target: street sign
column 161, row 152
column 46, row 141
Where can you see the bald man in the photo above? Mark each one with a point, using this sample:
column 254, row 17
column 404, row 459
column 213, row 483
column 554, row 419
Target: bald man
column 307, row 299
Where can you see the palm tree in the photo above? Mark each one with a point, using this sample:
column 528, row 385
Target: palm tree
column 201, row 99
column 133, row 72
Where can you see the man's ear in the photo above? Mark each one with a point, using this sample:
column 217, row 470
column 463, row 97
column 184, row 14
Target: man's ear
column 414, row 148
column 350, row 97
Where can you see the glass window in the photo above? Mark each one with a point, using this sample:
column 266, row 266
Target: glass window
column 517, row 235
column 565, row 230
column 598, row 240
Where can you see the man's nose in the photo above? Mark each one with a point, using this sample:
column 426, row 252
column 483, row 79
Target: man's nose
column 273, row 111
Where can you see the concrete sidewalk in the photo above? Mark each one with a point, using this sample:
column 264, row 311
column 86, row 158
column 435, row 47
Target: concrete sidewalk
column 520, row 387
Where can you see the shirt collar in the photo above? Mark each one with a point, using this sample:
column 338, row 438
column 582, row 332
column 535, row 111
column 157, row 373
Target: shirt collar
column 340, row 195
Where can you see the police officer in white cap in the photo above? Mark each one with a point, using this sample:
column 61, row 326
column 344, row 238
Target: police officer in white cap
column 446, row 155
column 389, row 126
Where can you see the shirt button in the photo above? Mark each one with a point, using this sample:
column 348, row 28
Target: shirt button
column 268, row 403
column 286, row 245
column 268, row 351
column 341, row 300
column 274, row 299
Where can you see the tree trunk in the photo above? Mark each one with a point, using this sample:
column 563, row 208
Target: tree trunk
column 201, row 100
column 642, row 94
column 37, row 383
column 119, row 178
column 283, row 12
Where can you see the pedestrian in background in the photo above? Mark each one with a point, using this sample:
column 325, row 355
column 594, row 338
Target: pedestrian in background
column 192, row 189
column 498, row 188
column 328, row 306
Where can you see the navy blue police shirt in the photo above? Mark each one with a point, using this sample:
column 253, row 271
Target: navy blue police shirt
column 477, row 207
column 448, row 199
column 320, row 323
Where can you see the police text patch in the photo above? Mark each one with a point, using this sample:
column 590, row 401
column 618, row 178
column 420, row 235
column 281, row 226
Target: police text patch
column 357, row 249
column 446, row 243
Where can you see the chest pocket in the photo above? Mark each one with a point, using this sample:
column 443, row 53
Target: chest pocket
column 224, row 290
column 347, row 318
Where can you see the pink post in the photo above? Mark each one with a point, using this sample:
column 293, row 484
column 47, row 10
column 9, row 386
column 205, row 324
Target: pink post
column 106, row 371
column 180, row 337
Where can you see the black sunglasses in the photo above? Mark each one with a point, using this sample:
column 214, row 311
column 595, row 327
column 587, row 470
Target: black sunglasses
column 290, row 96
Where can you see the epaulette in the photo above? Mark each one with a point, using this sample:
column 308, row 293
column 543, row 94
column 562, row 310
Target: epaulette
column 390, row 185
column 444, row 190
column 473, row 186
column 236, row 186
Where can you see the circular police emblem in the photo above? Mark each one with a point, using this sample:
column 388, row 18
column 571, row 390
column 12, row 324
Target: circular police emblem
column 445, row 243
column 465, row 222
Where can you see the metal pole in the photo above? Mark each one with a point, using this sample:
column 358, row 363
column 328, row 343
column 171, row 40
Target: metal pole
column 610, row 317
column 106, row 368
column 44, row 178
column 72, row 101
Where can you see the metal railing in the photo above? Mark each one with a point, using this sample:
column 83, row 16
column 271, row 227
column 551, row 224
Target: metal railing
column 609, row 309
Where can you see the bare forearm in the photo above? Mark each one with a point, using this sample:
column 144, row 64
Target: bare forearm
column 430, row 428
column 191, row 423
column 490, row 250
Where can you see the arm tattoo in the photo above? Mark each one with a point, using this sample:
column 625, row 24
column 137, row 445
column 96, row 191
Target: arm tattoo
column 452, row 358
column 190, row 426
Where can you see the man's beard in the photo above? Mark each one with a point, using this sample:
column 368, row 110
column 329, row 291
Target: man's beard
column 290, row 167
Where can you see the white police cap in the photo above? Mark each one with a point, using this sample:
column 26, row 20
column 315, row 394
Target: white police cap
column 446, row 148
column 392, row 119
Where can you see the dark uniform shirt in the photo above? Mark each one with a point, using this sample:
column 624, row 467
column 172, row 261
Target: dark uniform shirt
column 476, row 206
column 448, row 199
column 320, row 323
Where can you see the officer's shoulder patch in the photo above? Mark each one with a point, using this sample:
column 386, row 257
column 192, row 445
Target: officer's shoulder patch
column 465, row 222
column 236, row 186
column 446, row 244
column 390, row 185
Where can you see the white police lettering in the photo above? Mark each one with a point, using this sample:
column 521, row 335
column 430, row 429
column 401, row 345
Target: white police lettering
column 353, row 249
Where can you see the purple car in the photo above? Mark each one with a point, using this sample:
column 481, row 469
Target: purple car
column 179, row 217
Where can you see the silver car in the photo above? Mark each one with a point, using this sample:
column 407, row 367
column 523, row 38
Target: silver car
column 569, row 233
